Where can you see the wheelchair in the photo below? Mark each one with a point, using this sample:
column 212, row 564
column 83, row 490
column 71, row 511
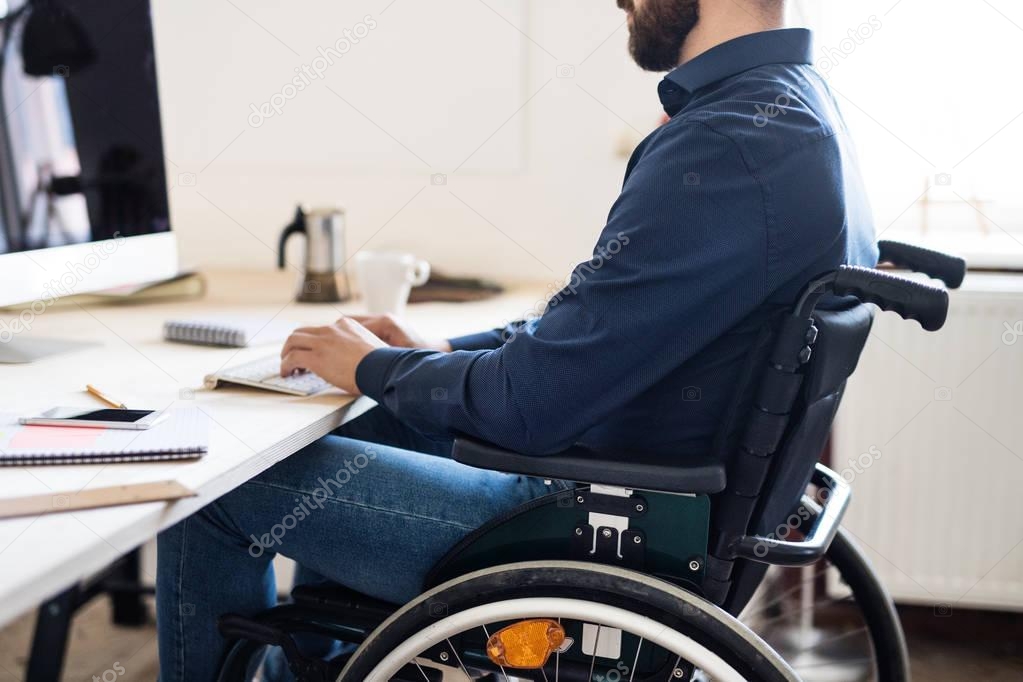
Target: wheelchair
column 651, row 569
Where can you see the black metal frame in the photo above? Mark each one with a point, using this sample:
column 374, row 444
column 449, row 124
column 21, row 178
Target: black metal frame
column 817, row 540
column 121, row 580
column 772, row 416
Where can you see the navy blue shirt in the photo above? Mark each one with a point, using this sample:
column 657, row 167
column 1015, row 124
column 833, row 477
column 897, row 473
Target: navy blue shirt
column 746, row 193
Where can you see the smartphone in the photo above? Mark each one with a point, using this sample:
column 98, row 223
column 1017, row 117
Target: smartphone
column 108, row 418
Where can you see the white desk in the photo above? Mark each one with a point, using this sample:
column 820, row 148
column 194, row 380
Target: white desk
column 252, row 430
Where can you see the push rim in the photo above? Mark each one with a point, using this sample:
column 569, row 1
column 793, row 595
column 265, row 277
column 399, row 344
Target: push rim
column 601, row 615
column 594, row 585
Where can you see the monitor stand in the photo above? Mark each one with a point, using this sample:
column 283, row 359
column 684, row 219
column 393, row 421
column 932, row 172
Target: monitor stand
column 19, row 351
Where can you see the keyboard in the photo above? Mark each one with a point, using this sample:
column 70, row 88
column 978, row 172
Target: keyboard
column 265, row 373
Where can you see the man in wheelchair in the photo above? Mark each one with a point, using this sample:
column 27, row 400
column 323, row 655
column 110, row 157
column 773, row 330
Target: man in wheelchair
column 592, row 494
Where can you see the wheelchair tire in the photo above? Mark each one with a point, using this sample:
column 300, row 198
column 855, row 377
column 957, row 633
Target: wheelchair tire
column 881, row 630
column 238, row 660
column 517, row 589
column 891, row 655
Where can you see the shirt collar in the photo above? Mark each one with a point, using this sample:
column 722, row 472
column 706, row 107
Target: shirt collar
column 782, row 46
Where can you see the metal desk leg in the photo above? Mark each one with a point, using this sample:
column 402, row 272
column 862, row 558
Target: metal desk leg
column 49, row 643
column 125, row 593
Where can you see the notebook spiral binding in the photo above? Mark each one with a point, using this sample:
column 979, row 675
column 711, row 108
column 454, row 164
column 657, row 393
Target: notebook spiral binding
column 41, row 460
column 205, row 333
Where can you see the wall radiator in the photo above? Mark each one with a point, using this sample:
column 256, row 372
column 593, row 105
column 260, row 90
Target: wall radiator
column 930, row 435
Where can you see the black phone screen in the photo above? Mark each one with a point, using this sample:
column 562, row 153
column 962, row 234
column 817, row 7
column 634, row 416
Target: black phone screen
column 111, row 415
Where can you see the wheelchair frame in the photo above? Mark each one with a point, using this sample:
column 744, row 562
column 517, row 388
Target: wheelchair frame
column 635, row 526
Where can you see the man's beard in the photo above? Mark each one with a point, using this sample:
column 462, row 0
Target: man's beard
column 658, row 30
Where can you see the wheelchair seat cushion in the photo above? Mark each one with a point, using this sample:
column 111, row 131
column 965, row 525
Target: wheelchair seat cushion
column 701, row 475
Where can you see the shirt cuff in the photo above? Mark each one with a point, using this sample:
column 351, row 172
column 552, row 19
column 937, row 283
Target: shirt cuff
column 374, row 371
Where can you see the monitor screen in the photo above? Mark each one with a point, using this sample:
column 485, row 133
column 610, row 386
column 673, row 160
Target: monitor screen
column 81, row 151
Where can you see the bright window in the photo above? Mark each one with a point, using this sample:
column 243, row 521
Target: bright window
column 931, row 91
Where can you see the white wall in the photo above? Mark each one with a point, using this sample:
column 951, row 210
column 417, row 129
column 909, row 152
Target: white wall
column 467, row 88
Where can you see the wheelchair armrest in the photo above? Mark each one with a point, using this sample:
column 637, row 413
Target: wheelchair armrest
column 697, row 475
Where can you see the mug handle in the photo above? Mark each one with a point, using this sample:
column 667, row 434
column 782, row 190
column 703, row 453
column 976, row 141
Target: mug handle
column 421, row 274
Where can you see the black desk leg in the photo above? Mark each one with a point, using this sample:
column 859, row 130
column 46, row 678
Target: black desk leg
column 50, row 640
column 121, row 580
column 125, row 591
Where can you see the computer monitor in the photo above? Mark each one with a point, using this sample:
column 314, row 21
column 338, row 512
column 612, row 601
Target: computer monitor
column 83, row 189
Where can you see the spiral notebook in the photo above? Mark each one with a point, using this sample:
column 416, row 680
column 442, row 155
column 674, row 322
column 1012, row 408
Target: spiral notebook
column 184, row 434
column 232, row 332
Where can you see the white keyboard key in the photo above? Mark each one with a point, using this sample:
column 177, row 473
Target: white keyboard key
column 266, row 373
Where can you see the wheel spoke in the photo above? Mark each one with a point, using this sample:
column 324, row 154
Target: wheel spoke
column 781, row 597
column 458, row 658
column 832, row 640
column 593, row 661
column 671, row 673
column 797, row 612
column 826, row 664
column 635, row 661
column 557, row 660
column 503, row 672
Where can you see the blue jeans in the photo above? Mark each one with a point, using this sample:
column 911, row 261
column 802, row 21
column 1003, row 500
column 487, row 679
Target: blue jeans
column 371, row 507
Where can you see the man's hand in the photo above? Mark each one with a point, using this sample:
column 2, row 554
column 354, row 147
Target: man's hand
column 333, row 352
column 394, row 332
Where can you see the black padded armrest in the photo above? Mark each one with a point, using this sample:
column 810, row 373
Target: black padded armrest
column 697, row 475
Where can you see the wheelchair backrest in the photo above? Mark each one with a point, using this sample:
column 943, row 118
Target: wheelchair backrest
column 776, row 431
column 841, row 339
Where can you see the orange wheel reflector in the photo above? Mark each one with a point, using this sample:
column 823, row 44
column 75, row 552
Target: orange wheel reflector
column 526, row 644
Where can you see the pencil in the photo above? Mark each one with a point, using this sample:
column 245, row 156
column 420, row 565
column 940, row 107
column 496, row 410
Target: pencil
column 105, row 398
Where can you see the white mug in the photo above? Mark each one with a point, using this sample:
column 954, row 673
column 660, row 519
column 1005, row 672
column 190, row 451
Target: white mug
column 386, row 279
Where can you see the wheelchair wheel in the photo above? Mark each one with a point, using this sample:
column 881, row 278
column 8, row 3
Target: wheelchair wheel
column 238, row 661
column 613, row 625
column 832, row 620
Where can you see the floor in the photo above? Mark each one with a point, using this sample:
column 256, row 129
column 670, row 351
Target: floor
column 966, row 646
column 98, row 649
